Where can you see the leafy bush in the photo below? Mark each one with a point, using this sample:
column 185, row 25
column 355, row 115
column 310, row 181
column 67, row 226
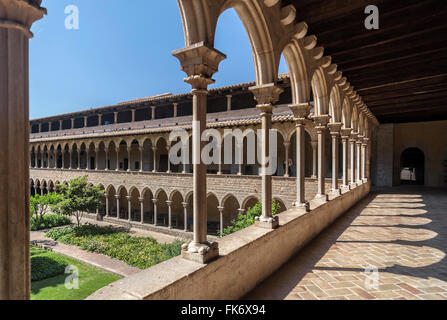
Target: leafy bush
column 48, row 221
column 245, row 220
column 138, row 252
column 45, row 264
column 41, row 205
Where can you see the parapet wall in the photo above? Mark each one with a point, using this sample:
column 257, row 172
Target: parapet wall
column 247, row 257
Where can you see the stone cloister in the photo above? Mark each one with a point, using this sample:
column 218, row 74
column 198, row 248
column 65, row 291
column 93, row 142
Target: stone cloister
column 326, row 152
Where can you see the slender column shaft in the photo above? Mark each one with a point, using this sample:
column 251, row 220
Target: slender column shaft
column 154, row 151
column 199, row 168
column 352, row 166
column 117, row 206
column 321, row 165
column 129, row 162
column 79, row 159
column 155, row 211
column 85, row 122
column 117, row 159
column 300, row 164
column 266, row 118
column 335, row 161
column 129, row 208
column 185, row 215
column 359, row 160
column 141, row 209
column 70, row 161
column 168, row 148
column 345, row 161
column 287, row 150
column 107, row 159
column 107, row 204
column 169, row 203
column 221, row 209
column 141, row 159
column 96, row 160
column 314, row 158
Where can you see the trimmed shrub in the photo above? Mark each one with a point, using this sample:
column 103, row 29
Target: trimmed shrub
column 48, row 221
column 135, row 251
column 45, row 264
column 245, row 220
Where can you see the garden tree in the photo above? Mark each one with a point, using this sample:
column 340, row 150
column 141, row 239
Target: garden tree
column 41, row 205
column 78, row 197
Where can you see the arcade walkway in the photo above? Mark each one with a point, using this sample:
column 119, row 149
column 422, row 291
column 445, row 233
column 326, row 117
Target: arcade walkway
column 400, row 231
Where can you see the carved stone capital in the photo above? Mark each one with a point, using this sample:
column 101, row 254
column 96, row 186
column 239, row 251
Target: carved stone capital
column 199, row 62
column 300, row 111
column 266, row 94
column 354, row 136
column 335, row 127
column 321, row 121
column 20, row 14
column 345, row 133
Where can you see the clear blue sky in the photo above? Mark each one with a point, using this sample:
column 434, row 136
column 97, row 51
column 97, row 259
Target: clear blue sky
column 121, row 51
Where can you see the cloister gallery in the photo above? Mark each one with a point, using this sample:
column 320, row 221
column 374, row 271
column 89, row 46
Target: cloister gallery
column 334, row 137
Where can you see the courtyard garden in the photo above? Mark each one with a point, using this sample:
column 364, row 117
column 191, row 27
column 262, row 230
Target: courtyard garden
column 48, row 277
column 110, row 241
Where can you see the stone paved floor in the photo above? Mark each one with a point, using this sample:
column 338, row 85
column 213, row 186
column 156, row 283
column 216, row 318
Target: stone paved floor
column 400, row 231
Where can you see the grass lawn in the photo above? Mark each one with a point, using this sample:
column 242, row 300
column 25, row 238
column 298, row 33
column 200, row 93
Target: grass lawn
column 90, row 279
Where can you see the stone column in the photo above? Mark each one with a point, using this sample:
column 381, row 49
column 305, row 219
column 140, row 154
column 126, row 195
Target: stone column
column 60, row 124
column 155, row 211
column 229, row 102
column 185, row 215
column 72, row 123
column 221, row 209
column 358, row 168
column 79, row 159
column 300, row 112
column 154, row 152
column 50, row 126
column 365, row 173
column 117, row 149
column 115, row 117
column 107, row 204
column 153, row 113
column 335, row 134
column 133, row 115
column 240, row 147
column 117, row 197
column 175, row 109
column 314, row 145
column 85, row 121
column 168, row 148
column 129, row 162
column 70, row 153
column 345, row 134
column 106, row 150
column 40, row 127
column 169, row 203
column 99, row 119
column 352, row 141
column 141, row 158
column 88, row 160
column 266, row 95
column 321, row 126
column 96, row 160
column 199, row 62
column 287, row 150
column 141, row 200
column 129, row 208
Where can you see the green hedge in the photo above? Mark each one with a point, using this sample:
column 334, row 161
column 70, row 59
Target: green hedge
column 45, row 264
column 245, row 220
column 138, row 252
column 48, row 221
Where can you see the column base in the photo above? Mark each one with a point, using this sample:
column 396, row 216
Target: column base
column 336, row 192
column 365, row 180
column 359, row 182
column 301, row 206
column 352, row 185
column 201, row 252
column 267, row 223
column 321, row 198
column 345, row 189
